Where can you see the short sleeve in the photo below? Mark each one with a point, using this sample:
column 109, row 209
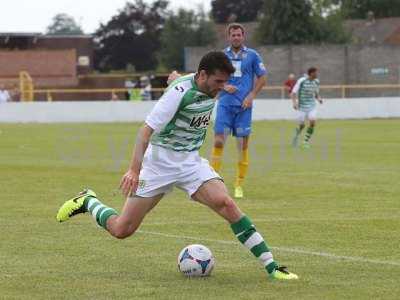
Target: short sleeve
column 258, row 65
column 166, row 108
column 296, row 87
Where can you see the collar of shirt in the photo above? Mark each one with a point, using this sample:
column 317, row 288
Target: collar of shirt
column 236, row 54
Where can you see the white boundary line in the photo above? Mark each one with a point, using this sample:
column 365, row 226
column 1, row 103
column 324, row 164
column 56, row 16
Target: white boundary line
column 284, row 249
column 263, row 220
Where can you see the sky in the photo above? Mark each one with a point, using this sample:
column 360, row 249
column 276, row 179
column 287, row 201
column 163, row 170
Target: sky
column 36, row 15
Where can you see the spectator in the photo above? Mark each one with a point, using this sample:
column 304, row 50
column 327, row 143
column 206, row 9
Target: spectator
column 290, row 83
column 14, row 93
column 145, row 88
column 114, row 96
column 4, row 94
column 133, row 92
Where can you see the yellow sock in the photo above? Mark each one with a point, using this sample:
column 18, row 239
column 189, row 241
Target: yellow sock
column 216, row 158
column 242, row 167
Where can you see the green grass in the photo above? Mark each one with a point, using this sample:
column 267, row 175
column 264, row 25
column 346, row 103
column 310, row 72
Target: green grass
column 340, row 198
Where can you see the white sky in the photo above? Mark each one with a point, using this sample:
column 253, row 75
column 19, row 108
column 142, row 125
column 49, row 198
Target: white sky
column 36, row 15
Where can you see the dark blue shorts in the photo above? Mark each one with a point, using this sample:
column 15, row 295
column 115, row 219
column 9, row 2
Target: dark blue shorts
column 233, row 119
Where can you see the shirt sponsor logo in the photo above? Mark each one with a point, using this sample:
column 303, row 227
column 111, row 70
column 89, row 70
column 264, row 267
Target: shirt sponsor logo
column 201, row 121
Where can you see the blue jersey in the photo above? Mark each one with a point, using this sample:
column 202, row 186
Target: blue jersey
column 248, row 64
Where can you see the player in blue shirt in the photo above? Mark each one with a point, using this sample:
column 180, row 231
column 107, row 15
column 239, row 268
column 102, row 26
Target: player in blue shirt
column 235, row 103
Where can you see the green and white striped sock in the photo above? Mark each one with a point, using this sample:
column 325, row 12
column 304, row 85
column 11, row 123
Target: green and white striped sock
column 99, row 211
column 247, row 234
column 308, row 134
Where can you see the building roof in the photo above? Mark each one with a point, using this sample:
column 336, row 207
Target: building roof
column 375, row 31
column 42, row 36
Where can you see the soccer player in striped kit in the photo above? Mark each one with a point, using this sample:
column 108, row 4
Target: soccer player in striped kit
column 166, row 155
column 304, row 96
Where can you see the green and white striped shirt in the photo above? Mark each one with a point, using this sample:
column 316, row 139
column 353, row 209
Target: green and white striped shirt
column 306, row 90
column 181, row 116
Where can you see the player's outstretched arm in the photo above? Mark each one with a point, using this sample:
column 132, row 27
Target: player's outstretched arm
column 130, row 180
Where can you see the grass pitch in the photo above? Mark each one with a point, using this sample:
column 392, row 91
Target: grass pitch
column 331, row 213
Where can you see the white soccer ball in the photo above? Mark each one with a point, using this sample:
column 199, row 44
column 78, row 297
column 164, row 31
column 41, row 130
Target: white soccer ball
column 196, row 261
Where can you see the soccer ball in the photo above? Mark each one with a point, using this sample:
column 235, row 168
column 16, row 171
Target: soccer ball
column 196, row 261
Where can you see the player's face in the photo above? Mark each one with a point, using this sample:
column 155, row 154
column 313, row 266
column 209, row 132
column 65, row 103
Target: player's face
column 236, row 38
column 313, row 75
column 214, row 83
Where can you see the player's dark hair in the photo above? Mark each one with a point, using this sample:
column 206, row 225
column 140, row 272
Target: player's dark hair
column 216, row 60
column 234, row 26
column 312, row 70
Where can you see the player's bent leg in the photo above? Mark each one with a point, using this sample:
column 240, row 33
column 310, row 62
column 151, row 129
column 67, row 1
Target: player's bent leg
column 298, row 130
column 213, row 194
column 132, row 215
column 119, row 226
column 310, row 130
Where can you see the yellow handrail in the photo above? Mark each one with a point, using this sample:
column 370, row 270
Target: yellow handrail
column 113, row 91
column 26, row 86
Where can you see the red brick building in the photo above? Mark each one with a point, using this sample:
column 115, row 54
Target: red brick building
column 50, row 60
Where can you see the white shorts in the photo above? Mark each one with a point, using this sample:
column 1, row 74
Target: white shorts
column 162, row 169
column 310, row 115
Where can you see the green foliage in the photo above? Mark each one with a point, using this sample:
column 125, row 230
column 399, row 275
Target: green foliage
column 286, row 22
column 184, row 29
column 63, row 24
column 224, row 11
column 131, row 37
column 358, row 9
column 300, row 22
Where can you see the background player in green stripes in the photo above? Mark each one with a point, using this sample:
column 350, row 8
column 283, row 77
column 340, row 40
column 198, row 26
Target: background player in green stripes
column 304, row 96
column 166, row 155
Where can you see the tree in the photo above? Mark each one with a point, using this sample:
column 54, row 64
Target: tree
column 184, row 29
column 132, row 37
column 358, row 9
column 301, row 21
column 286, row 22
column 224, row 11
column 63, row 24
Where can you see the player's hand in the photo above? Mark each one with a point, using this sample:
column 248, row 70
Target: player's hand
column 172, row 76
column 231, row 89
column 129, row 183
column 248, row 101
column 320, row 100
column 295, row 106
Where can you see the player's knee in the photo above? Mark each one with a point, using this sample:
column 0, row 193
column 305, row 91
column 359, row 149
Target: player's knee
column 312, row 123
column 218, row 143
column 123, row 232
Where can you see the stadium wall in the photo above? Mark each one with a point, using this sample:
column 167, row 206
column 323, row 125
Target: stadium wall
column 104, row 112
column 338, row 64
